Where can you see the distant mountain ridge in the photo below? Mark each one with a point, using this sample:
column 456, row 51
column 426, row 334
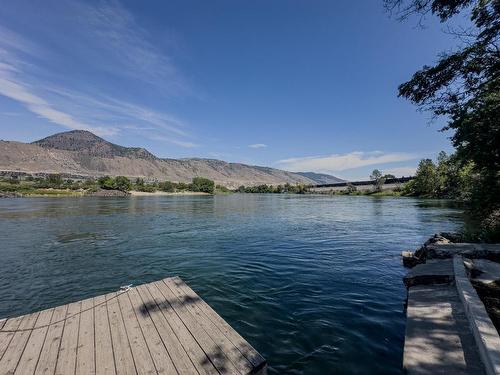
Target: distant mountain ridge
column 320, row 178
column 89, row 143
column 80, row 152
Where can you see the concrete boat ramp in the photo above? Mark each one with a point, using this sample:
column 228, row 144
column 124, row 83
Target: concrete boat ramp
column 448, row 330
column 159, row 328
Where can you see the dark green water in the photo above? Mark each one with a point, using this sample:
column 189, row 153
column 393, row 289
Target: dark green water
column 313, row 282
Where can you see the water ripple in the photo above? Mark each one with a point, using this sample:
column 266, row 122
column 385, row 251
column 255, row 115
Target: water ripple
column 314, row 283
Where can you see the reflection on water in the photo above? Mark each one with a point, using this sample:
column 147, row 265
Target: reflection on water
column 313, row 282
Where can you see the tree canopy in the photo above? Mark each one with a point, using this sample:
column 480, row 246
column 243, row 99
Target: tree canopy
column 464, row 87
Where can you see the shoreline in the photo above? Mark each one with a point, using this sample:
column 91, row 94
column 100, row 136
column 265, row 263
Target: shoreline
column 134, row 193
column 42, row 193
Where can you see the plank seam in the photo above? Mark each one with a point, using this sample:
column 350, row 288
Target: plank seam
column 128, row 339
column 27, row 340
column 93, row 320
column 174, row 331
column 110, row 335
column 214, row 321
column 7, row 347
column 146, row 341
column 203, row 328
column 44, row 338
column 59, row 321
column 77, row 340
column 60, row 340
column 190, row 331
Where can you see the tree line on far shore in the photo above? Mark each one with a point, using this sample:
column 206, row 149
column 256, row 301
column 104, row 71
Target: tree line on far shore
column 122, row 183
column 198, row 184
column 278, row 189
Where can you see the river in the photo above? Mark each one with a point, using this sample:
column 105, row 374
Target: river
column 314, row 283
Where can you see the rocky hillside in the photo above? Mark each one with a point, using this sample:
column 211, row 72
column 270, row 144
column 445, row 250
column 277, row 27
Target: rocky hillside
column 90, row 144
column 320, row 178
column 80, row 152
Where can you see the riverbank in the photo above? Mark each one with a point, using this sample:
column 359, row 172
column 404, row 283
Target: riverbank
column 98, row 193
column 164, row 193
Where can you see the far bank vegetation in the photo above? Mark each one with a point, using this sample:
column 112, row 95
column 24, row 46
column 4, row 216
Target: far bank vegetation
column 54, row 184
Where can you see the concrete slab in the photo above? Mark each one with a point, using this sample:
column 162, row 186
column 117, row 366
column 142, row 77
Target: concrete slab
column 483, row 270
column 436, row 271
column 485, row 334
column 438, row 338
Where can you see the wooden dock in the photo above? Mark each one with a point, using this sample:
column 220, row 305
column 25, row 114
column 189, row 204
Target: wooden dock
column 159, row 328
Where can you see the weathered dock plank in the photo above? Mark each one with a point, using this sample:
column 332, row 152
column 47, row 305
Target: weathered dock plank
column 29, row 359
column 11, row 357
column 50, row 350
column 66, row 360
column 121, row 348
column 104, row 359
column 85, row 363
column 243, row 346
column 162, row 356
column 166, row 321
column 159, row 328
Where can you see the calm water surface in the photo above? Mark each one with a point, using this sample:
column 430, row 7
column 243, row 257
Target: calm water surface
column 312, row 282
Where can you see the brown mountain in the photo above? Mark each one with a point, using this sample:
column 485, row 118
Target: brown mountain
column 90, row 144
column 80, row 152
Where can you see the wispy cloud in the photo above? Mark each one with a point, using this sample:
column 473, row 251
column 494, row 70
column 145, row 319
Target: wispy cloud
column 22, row 93
column 341, row 162
column 400, row 171
column 161, row 138
column 114, row 33
column 26, row 76
column 258, row 145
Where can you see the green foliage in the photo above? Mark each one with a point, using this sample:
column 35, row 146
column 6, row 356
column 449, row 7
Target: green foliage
column 351, row 188
column 106, row 182
column 202, row 184
column 464, row 87
column 147, row 188
column 269, row 189
column 122, row 183
column 181, row 186
column 167, row 186
column 426, row 179
column 378, row 179
column 55, row 180
column 446, row 179
column 221, row 189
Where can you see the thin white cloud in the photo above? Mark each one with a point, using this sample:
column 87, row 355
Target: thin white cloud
column 400, row 171
column 258, row 145
column 71, row 108
column 23, row 94
column 341, row 162
column 114, row 32
column 161, row 138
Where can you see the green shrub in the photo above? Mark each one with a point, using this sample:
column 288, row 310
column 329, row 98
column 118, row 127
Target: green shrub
column 122, row 183
column 167, row 186
column 202, row 184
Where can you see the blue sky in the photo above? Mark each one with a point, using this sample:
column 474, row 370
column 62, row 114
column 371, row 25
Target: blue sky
column 298, row 85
